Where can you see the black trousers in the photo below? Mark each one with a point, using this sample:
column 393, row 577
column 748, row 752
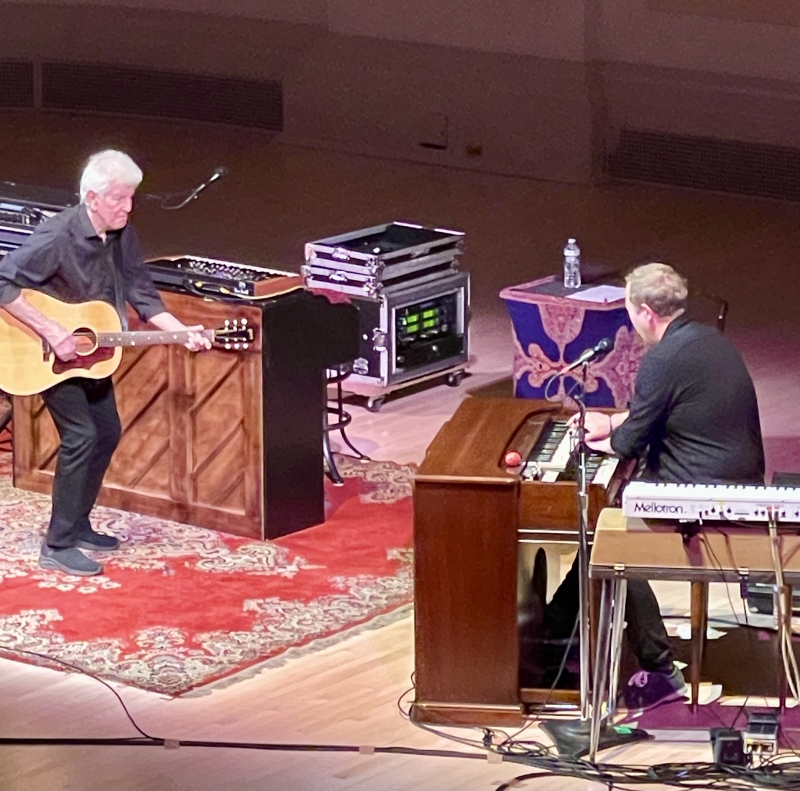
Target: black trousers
column 645, row 630
column 85, row 414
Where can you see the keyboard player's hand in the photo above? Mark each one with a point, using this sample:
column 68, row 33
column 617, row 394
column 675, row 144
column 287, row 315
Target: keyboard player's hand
column 598, row 426
column 601, row 445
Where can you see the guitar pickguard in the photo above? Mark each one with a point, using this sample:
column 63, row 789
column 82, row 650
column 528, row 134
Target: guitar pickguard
column 84, row 362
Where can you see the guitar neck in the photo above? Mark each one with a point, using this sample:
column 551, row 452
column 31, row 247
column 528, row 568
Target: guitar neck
column 147, row 337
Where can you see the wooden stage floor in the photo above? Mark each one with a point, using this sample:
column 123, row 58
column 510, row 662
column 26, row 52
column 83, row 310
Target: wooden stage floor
column 275, row 199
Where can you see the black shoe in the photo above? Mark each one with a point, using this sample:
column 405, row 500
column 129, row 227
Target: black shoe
column 648, row 690
column 98, row 542
column 69, row 560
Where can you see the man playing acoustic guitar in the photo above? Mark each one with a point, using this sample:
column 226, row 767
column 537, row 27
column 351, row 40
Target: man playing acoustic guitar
column 87, row 252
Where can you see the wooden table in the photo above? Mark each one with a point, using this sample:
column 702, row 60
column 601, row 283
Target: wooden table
column 632, row 548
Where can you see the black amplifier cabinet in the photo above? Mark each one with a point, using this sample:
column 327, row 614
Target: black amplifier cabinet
column 413, row 303
column 23, row 208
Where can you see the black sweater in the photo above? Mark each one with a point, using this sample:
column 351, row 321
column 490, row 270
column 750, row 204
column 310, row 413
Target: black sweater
column 694, row 411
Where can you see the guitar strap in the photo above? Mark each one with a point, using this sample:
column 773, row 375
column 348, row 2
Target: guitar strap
column 119, row 288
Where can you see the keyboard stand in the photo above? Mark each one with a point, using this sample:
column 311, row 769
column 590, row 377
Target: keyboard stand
column 688, row 531
column 632, row 548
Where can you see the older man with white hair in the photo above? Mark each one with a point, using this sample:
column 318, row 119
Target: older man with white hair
column 87, row 252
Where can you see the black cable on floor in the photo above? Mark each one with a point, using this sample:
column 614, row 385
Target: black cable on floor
column 773, row 774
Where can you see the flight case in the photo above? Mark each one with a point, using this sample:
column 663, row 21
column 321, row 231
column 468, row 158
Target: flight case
column 413, row 303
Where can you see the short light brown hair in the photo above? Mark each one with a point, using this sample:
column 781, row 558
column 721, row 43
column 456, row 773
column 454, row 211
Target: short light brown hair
column 660, row 287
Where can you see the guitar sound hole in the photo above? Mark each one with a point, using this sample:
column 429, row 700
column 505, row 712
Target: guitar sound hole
column 86, row 340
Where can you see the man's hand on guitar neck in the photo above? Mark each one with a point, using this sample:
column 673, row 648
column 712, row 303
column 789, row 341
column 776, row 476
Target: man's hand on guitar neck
column 65, row 345
column 62, row 342
column 197, row 340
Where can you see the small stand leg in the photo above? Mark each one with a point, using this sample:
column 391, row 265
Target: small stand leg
column 617, row 630
column 601, row 665
column 699, row 621
column 784, row 634
column 337, row 419
column 333, row 473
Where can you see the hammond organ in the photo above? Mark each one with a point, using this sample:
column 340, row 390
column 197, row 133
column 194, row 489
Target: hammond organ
column 471, row 513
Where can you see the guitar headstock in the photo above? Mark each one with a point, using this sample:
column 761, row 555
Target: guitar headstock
column 235, row 334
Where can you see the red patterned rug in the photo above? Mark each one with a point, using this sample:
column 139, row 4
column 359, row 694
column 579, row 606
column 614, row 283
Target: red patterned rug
column 180, row 607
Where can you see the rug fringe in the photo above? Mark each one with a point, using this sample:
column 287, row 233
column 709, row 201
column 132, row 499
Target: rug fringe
column 297, row 652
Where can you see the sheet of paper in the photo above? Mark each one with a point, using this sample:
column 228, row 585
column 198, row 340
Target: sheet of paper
column 599, row 294
column 684, row 631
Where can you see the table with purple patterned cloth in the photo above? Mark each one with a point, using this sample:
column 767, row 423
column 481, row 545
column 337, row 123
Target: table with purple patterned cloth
column 552, row 330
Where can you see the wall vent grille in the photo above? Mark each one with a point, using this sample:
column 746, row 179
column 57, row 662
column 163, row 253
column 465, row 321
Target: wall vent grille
column 734, row 166
column 158, row 94
column 16, row 84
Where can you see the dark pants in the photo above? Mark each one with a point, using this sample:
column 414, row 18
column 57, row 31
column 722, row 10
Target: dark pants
column 85, row 414
column 645, row 630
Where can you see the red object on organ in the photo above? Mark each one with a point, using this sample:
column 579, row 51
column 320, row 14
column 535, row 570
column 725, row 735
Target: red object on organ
column 512, row 459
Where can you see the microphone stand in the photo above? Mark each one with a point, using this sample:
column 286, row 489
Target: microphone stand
column 571, row 737
column 192, row 194
column 583, row 552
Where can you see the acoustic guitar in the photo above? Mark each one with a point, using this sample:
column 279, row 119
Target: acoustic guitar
column 28, row 365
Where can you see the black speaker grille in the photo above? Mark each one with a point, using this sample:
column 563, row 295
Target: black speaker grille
column 16, row 84
column 707, row 163
column 142, row 92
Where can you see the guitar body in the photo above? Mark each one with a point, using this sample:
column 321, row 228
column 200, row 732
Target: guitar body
column 25, row 368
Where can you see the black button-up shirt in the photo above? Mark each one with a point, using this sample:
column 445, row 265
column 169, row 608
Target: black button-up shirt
column 65, row 258
column 694, row 411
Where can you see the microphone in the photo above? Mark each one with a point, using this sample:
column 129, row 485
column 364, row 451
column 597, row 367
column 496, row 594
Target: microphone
column 218, row 173
column 601, row 349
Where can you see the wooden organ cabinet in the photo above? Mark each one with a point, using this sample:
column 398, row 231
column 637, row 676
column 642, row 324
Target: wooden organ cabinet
column 470, row 514
column 225, row 439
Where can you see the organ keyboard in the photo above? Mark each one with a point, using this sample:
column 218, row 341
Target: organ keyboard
column 555, row 458
column 700, row 502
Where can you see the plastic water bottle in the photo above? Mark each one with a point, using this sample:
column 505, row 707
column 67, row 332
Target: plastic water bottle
column 572, row 265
